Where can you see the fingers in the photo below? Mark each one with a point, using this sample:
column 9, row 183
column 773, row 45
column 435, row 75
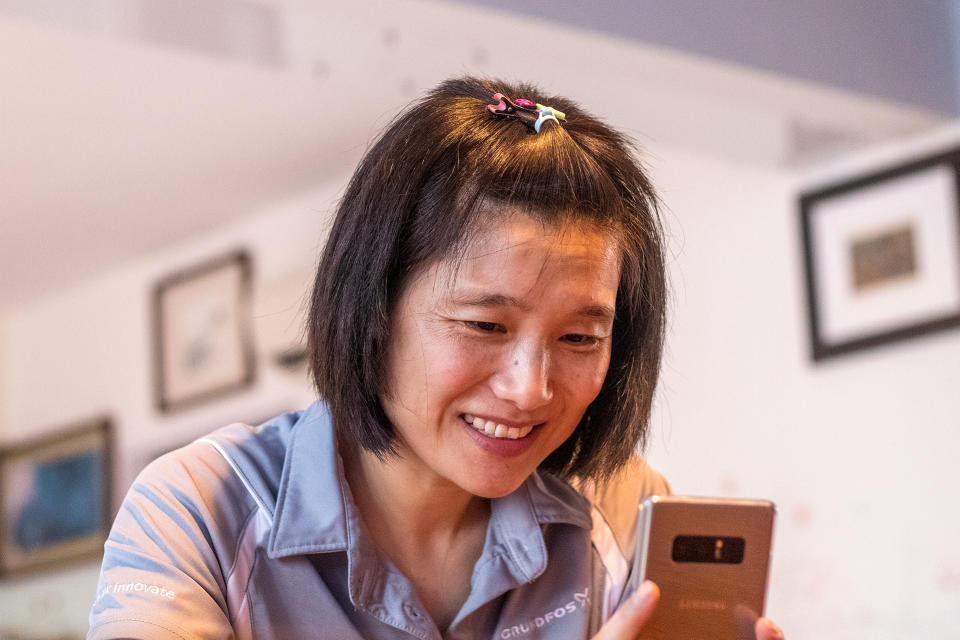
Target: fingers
column 766, row 630
column 629, row 618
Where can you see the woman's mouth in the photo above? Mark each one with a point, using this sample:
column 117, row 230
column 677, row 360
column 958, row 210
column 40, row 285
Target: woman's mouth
column 495, row 429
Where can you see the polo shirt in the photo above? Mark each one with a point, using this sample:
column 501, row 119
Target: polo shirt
column 251, row 532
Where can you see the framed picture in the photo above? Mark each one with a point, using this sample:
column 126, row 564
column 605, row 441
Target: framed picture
column 883, row 256
column 55, row 498
column 203, row 345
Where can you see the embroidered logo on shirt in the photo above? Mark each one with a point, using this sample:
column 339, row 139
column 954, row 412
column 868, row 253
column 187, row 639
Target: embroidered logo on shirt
column 139, row 587
column 580, row 600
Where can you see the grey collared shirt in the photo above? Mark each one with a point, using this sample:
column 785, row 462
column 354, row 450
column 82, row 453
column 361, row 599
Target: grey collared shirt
column 251, row 532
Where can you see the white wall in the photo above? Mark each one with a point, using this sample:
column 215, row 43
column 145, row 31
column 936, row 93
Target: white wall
column 86, row 352
column 858, row 452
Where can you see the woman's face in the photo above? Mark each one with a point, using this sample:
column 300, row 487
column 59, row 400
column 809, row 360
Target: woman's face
column 493, row 362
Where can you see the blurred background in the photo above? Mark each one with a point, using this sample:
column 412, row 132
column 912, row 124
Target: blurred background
column 145, row 145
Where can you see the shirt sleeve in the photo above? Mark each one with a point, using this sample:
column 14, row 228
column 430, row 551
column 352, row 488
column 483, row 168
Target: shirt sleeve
column 163, row 572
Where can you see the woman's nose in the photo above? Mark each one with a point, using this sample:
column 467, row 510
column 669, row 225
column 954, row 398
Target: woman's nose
column 524, row 378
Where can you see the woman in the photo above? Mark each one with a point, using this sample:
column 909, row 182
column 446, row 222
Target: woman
column 486, row 328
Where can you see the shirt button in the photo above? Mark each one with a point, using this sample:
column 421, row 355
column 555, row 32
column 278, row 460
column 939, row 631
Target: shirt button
column 411, row 611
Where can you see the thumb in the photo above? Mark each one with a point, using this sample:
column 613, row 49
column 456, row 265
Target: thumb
column 630, row 617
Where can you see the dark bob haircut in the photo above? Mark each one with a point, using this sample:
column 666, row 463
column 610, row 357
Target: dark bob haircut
column 415, row 198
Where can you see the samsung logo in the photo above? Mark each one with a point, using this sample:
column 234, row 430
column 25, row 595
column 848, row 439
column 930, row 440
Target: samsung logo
column 710, row 605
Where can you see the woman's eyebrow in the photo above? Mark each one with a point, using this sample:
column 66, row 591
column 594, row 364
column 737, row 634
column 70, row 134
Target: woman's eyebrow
column 487, row 300
column 598, row 311
column 481, row 299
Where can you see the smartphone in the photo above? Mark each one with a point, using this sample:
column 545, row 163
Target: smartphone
column 710, row 558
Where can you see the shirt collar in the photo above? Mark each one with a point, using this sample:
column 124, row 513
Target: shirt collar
column 313, row 506
column 310, row 515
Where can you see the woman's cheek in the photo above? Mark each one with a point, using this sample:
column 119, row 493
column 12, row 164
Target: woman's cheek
column 595, row 384
column 460, row 359
column 587, row 371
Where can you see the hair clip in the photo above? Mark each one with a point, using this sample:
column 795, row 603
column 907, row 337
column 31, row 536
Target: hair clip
column 531, row 113
column 502, row 106
column 547, row 113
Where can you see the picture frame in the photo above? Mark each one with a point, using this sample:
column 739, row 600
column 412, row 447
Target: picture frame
column 203, row 345
column 882, row 255
column 55, row 498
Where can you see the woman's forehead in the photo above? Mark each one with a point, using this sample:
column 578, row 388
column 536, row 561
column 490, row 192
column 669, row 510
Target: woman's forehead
column 524, row 240
column 497, row 231
column 521, row 251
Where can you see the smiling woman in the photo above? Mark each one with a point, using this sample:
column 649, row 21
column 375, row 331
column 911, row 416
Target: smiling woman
column 485, row 337
column 467, row 157
column 487, row 376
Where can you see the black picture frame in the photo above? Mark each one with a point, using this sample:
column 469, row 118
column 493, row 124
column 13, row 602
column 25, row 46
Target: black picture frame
column 203, row 336
column 882, row 255
column 56, row 498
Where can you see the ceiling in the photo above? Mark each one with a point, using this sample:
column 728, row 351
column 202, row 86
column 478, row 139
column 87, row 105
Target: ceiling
column 129, row 125
column 907, row 52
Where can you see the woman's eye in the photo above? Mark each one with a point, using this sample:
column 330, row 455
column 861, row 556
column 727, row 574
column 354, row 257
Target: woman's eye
column 485, row 327
column 581, row 339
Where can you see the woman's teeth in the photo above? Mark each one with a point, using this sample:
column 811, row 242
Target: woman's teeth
column 496, row 430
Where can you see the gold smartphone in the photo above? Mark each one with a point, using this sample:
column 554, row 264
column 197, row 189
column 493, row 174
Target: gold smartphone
column 710, row 558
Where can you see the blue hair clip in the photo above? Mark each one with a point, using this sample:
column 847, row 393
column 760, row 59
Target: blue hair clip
column 547, row 113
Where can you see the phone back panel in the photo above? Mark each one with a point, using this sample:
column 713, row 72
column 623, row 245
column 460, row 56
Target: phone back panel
column 710, row 557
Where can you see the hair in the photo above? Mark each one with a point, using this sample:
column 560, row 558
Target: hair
column 416, row 197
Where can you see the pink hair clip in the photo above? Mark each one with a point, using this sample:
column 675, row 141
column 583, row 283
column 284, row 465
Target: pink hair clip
column 502, row 106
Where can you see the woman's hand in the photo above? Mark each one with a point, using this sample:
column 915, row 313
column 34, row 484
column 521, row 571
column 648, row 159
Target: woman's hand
column 766, row 630
column 630, row 617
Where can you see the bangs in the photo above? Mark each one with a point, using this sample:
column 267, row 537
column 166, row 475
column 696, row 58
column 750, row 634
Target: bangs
column 545, row 172
column 496, row 167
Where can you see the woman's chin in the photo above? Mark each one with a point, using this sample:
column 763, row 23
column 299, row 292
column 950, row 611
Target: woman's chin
column 493, row 487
